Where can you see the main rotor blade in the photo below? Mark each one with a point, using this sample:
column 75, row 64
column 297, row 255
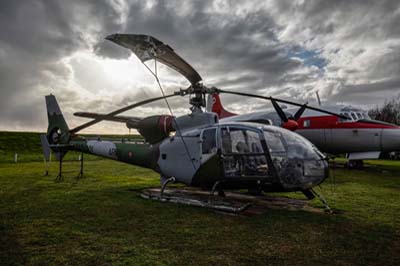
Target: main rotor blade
column 116, row 112
column 146, row 47
column 299, row 112
column 282, row 101
column 279, row 111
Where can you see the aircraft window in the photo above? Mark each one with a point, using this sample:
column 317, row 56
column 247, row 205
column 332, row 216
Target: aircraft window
column 359, row 116
column 353, row 115
column 306, row 123
column 294, row 145
column 243, row 153
column 274, row 142
column 209, row 143
column 238, row 140
column 226, row 141
column 253, row 139
column 349, row 119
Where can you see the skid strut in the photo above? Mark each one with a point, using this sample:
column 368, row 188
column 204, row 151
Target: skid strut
column 323, row 200
column 80, row 174
column 59, row 176
column 164, row 185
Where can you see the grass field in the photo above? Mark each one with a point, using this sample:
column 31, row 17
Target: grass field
column 101, row 220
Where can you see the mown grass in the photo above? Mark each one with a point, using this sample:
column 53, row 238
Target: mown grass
column 101, row 220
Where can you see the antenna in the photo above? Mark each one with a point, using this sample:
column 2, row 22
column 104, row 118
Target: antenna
column 318, row 99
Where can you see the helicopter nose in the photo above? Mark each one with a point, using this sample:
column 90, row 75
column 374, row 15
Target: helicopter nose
column 315, row 172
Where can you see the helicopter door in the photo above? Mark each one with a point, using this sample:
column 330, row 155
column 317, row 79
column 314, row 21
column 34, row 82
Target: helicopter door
column 242, row 153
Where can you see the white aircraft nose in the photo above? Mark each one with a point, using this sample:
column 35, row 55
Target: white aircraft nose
column 391, row 139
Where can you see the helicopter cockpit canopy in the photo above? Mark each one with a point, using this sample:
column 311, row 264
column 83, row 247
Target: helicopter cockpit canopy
column 281, row 141
column 297, row 161
column 271, row 153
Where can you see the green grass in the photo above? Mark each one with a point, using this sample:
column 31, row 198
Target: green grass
column 101, row 220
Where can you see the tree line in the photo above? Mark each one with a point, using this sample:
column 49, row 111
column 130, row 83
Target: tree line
column 388, row 112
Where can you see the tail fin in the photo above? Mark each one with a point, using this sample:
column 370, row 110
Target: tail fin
column 215, row 105
column 57, row 131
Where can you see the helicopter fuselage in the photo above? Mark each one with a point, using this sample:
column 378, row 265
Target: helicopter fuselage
column 238, row 155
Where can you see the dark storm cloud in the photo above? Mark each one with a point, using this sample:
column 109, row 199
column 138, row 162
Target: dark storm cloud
column 372, row 93
column 348, row 50
column 215, row 44
column 359, row 41
column 35, row 36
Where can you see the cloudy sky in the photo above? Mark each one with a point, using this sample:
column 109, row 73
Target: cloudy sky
column 347, row 50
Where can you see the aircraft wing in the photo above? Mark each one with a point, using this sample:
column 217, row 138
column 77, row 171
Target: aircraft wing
column 118, row 118
column 146, row 47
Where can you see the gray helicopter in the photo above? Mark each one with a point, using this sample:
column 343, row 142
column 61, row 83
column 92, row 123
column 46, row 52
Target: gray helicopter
column 196, row 149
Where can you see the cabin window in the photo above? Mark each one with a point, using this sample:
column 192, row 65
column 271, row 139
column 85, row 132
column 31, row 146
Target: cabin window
column 306, row 123
column 353, row 115
column 348, row 115
column 238, row 140
column 274, row 142
column 243, row 153
column 209, row 142
column 359, row 116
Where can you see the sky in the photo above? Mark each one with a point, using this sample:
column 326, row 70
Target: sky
column 348, row 51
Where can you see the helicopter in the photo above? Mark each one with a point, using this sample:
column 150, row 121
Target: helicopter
column 196, row 149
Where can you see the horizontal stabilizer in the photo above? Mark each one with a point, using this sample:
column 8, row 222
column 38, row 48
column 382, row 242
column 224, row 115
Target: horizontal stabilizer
column 118, row 118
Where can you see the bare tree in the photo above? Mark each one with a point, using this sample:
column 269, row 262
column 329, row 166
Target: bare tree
column 389, row 112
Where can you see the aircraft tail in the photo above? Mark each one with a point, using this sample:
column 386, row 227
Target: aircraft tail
column 214, row 105
column 57, row 131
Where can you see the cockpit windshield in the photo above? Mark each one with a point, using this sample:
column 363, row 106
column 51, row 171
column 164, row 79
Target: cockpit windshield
column 354, row 116
column 293, row 155
column 283, row 143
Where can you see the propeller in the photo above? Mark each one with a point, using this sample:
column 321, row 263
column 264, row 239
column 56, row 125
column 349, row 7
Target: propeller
column 288, row 123
column 299, row 112
column 279, row 111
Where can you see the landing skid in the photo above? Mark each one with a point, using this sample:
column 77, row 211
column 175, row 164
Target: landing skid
column 234, row 203
column 169, row 195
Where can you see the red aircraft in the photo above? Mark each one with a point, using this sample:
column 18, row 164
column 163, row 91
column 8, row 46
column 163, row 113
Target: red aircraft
column 358, row 136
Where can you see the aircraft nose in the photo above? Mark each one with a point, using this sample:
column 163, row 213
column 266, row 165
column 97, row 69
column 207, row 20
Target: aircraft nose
column 111, row 37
